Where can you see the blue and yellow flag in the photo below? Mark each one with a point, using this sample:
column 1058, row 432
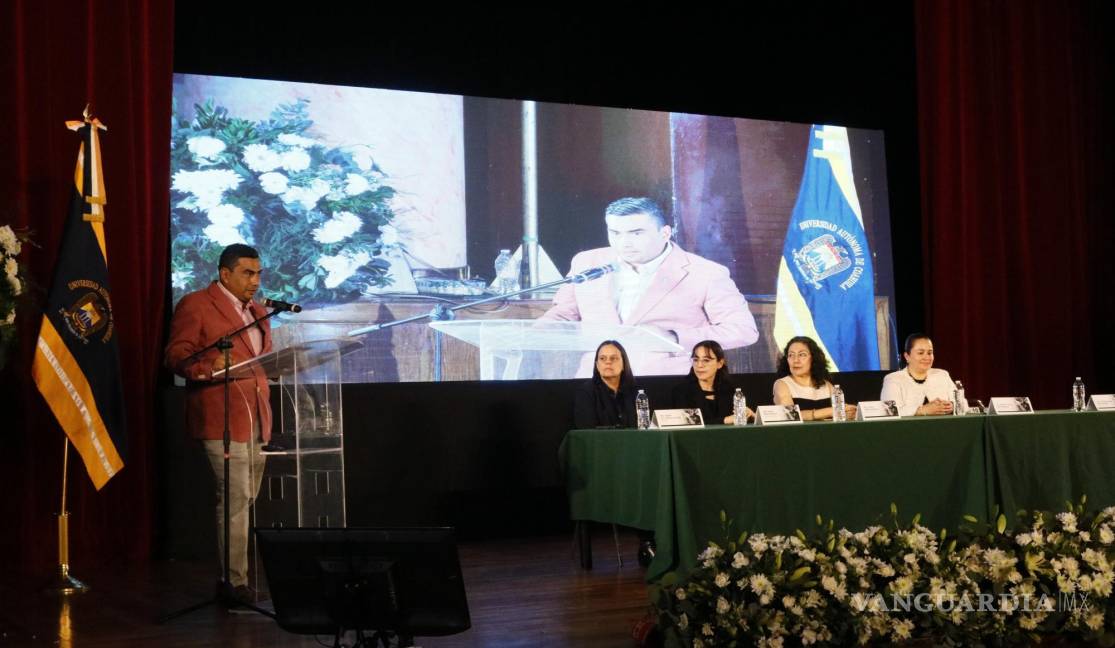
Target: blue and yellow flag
column 77, row 365
column 826, row 280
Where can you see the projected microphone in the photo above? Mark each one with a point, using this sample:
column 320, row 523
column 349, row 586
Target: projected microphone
column 282, row 305
column 594, row 273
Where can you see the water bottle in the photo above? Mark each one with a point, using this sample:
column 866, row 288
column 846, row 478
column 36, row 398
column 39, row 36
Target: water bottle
column 838, row 413
column 739, row 407
column 507, row 273
column 959, row 400
column 642, row 410
column 1078, row 395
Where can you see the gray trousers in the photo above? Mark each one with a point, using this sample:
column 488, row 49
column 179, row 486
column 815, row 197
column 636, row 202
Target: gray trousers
column 245, row 471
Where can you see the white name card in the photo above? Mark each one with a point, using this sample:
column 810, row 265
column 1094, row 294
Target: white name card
column 876, row 411
column 678, row 418
column 1101, row 402
column 777, row 415
column 1011, row 405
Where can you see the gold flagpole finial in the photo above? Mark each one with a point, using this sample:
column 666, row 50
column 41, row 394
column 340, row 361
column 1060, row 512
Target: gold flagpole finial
column 86, row 114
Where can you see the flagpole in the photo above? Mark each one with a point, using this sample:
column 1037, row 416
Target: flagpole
column 63, row 582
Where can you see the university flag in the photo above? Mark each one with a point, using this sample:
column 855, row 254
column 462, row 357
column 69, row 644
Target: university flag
column 826, row 279
column 77, row 365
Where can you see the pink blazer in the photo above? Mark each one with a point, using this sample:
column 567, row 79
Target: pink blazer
column 690, row 295
column 200, row 319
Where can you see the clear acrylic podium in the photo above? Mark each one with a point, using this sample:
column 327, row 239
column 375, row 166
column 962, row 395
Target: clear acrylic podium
column 544, row 348
column 304, row 482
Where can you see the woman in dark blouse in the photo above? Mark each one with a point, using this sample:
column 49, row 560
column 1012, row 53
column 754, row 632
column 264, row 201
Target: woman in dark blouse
column 707, row 387
column 608, row 398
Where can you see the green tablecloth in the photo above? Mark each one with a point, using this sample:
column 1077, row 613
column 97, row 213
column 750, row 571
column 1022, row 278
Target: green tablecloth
column 778, row 479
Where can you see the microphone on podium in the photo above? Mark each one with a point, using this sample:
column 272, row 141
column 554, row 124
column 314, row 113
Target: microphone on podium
column 282, row 305
column 593, row 273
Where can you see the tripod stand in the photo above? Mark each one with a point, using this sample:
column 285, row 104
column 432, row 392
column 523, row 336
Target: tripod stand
column 225, row 595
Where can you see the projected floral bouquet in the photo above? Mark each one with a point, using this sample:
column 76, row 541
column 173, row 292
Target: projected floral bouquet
column 317, row 214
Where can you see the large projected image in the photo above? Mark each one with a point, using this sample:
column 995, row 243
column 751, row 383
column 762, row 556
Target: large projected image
column 387, row 214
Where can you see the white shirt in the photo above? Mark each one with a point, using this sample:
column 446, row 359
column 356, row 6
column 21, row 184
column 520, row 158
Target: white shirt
column 631, row 282
column 808, row 393
column 255, row 335
column 909, row 395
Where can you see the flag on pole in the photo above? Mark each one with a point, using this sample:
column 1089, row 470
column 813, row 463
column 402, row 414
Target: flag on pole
column 826, row 280
column 77, row 365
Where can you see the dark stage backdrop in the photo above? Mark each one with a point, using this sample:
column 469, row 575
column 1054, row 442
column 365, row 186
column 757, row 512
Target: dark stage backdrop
column 1009, row 102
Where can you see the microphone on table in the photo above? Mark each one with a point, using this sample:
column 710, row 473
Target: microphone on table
column 282, row 305
column 593, row 273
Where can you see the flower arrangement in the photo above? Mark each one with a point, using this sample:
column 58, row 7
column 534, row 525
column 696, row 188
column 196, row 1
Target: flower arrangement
column 1051, row 576
column 319, row 214
column 11, row 286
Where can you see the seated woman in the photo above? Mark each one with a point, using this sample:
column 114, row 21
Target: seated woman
column 707, row 387
column 805, row 380
column 608, row 398
column 919, row 389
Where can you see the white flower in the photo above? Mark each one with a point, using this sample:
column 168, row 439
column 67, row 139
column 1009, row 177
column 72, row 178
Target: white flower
column 207, row 186
column 739, row 560
column 226, row 215
column 902, row 629
column 1094, row 620
column 683, row 622
column 9, row 241
column 338, row 228
column 342, row 266
column 680, row 593
column 356, row 184
column 16, row 284
column 362, row 156
column 181, row 278
column 808, row 555
column 205, row 148
column 260, row 158
column 1107, row 536
column 706, row 629
column 1023, row 539
column 722, row 580
column 307, row 196
column 10, row 318
column 722, row 605
column 901, row 586
column 273, row 183
column 291, row 139
column 224, row 236
column 758, row 543
column 295, row 160
column 808, row 636
column 1068, row 521
column 10, row 267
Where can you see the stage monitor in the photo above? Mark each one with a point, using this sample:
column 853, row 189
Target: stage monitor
column 403, row 580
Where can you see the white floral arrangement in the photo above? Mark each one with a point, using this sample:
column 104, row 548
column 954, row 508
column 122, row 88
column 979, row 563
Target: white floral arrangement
column 320, row 216
column 1049, row 579
column 12, row 285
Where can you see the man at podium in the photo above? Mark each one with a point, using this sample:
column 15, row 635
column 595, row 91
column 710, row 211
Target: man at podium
column 657, row 286
column 200, row 319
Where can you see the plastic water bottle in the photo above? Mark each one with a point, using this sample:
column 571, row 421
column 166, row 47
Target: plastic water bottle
column 959, row 400
column 642, row 410
column 739, row 407
column 838, row 413
column 507, row 273
column 1078, row 395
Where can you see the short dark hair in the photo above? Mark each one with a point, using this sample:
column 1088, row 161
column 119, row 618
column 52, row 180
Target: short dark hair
column 233, row 253
column 818, row 363
column 717, row 352
column 637, row 205
column 626, row 377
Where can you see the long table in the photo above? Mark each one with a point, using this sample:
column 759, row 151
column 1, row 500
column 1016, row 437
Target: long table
column 776, row 479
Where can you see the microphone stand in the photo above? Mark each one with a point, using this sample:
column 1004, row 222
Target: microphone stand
column 442, row 313
column 224, row 595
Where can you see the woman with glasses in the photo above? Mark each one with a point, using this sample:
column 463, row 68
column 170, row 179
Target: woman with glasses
column 707, row 387
column 804, row 371
column 608, row 398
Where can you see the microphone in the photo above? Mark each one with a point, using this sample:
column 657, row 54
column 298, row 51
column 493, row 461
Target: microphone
column 594, row 273
column 282, row 305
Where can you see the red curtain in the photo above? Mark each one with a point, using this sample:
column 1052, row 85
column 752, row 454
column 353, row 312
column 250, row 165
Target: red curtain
column 1014, row 109
column 54, row 58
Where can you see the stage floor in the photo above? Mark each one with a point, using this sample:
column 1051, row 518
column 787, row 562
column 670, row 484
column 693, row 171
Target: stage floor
column 527, row 592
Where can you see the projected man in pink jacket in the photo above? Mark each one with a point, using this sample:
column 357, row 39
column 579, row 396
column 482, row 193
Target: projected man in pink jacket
column 658, row 286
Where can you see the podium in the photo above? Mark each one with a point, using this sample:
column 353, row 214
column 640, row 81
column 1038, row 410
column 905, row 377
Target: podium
column 544, row 348
column 303, row 484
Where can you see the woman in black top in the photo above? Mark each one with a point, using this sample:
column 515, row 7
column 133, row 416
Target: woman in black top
column 707, row 387
column 608, row 398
